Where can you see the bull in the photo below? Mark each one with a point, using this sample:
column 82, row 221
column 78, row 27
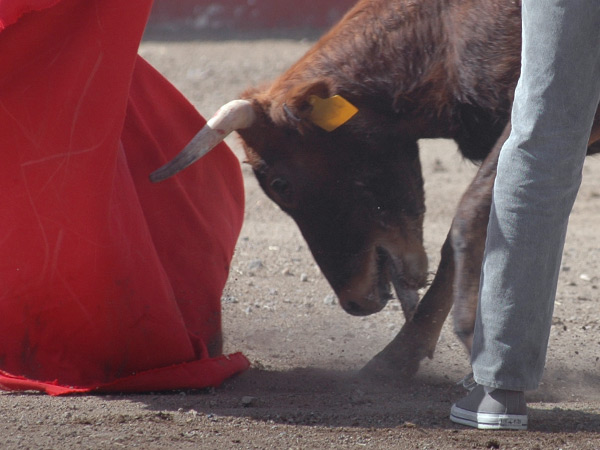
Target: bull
column 334, row 142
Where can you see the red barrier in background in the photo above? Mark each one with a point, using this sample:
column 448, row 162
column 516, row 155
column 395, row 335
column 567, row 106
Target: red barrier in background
column 247, row 14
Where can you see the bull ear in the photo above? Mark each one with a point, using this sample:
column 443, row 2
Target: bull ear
column 295, row 106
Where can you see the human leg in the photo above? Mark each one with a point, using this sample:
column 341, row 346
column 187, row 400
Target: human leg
column 539, row 174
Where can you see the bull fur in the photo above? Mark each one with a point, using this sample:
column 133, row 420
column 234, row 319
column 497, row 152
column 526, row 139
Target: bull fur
column 415, row 69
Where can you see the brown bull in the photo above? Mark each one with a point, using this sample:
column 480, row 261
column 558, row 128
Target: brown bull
column 414, row 69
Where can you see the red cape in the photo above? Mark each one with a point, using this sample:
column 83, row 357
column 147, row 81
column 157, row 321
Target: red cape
column 107, row 282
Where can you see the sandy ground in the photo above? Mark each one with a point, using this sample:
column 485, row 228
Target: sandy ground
column 303, row 390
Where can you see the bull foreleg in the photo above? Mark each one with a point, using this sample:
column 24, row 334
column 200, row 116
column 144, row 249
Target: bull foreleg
column 468, row 233
column 418, row 337
column 456, row 282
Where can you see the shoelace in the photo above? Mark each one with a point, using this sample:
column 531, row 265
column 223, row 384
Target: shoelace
column 468, row 382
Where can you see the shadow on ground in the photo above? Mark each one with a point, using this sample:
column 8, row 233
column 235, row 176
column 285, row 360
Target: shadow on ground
column 340, row 399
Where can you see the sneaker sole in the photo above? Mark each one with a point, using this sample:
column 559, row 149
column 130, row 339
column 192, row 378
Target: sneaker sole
column 488, row 421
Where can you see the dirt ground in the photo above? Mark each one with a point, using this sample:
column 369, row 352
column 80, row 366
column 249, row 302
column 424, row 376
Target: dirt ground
column 303, row 391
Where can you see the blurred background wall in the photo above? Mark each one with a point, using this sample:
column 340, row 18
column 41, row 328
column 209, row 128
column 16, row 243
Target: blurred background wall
column 250, row 14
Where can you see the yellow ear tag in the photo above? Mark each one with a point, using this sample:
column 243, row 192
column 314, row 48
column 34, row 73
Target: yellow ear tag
column 330, row 113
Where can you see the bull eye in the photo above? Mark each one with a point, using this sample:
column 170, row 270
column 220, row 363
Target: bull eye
column 282, row 188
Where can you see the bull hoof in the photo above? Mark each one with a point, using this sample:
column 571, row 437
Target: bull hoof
column 401, row 358
column 381, row 368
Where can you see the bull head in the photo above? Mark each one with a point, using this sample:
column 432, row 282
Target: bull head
column 355, row 192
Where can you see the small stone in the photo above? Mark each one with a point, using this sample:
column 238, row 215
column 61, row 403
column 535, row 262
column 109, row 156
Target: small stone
column 248, row 401
column 329, row 300
column 303, row 277
column 492, row 443
column 255, row 264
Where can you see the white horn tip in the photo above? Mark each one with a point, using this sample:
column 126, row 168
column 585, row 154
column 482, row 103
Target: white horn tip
column 232, row 116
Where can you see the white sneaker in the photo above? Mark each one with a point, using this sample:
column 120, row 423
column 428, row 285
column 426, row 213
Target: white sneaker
column 491, row 409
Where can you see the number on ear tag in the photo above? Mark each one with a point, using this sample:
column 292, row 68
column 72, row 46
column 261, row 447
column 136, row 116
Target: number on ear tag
column 330, row 113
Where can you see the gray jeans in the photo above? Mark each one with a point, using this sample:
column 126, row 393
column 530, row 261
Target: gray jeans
column 539, row 173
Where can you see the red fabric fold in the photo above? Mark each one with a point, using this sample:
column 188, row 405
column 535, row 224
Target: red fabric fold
column 12, row 10
column 207, row 372
column 106, row 281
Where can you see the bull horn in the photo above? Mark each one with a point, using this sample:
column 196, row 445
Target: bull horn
column 235, row 115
